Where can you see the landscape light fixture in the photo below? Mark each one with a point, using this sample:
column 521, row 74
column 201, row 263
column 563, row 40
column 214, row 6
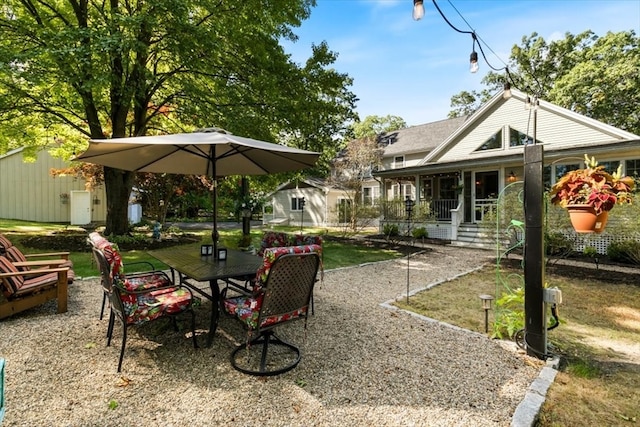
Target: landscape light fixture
column 486, row 305
column 418, row 9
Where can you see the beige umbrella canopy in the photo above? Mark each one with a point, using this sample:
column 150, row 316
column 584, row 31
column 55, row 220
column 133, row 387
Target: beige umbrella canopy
column 212, row 152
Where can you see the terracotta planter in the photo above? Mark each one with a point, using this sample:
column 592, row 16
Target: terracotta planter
column 601, row 221
column 583, row 218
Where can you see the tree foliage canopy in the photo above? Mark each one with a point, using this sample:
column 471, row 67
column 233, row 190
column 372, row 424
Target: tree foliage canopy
column 595, row 76
column 73, row 69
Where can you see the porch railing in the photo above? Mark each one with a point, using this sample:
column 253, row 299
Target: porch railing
column 439, row 209
column 484, row 207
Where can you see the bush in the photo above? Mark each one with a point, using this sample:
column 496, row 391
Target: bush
column 627, row 251
column 391, row 230
column 420, row 233
column 557, row 244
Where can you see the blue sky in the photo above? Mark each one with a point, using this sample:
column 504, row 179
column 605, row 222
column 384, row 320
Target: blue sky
column 412, row 68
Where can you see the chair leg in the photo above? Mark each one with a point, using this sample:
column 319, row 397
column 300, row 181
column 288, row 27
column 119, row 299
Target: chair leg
column 104, row 301
column 193, row 329
column 313, row 310
column 110, row 327
column 124, row 343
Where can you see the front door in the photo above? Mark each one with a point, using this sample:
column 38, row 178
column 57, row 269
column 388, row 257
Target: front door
column 80, row 207
column 485, row 194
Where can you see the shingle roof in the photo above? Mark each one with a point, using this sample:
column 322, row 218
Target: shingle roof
column 421, row 138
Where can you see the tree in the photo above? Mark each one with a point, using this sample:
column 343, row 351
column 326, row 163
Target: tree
column 595, row 76
column 373, row 126
column 466, row 103
column 351, row 170
column 81, row 69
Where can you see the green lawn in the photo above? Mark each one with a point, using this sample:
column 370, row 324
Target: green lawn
column 335, row 254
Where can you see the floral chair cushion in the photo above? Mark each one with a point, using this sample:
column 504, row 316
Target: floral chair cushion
column 247, row 308
column 273, row 239
column 271, row 254
column 144, row 307
column 131, row 282
column 300, row 239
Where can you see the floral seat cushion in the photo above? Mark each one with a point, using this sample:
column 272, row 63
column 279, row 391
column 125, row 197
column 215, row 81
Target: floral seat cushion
column 135, row 281
column 144, row 307
column 247, row 308
column 248, row 311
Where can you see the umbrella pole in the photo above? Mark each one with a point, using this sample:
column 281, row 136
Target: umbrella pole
column 214, row 232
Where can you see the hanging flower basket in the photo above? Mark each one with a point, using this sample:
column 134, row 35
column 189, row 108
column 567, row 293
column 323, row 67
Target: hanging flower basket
column 590, row 193
column 583, row 218
column 601, row 221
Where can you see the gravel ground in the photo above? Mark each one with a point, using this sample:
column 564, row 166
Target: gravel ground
column 362, row 365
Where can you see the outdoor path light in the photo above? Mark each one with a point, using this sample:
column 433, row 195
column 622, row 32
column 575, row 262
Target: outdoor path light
column 486, row 305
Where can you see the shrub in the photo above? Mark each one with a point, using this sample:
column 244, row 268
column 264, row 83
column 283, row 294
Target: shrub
column 557, row 244
column 420, row 233
column 509, row 314
column 627, row 251
column 590, row 251
column 391, row 230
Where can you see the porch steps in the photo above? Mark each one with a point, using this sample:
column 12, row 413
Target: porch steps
column 475, row 236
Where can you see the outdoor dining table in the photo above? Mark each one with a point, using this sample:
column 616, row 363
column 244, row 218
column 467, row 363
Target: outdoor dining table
column 191, row 266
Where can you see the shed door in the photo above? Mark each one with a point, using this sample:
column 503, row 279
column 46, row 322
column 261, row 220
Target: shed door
column 80, row 207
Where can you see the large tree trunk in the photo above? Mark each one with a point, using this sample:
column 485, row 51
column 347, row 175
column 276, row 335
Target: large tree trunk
column 118, row 185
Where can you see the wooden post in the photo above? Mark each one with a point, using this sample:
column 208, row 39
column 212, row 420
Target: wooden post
column 534, row 316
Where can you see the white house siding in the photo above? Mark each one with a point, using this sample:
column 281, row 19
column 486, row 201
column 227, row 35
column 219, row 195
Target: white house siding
column 554, row 129
column 314, row 209
column 28, row 192
column 412, row 159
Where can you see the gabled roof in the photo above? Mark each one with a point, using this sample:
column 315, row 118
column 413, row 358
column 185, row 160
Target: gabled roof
column 319, row 183
column 562, row 132
column 420, row 138
column 607, row 133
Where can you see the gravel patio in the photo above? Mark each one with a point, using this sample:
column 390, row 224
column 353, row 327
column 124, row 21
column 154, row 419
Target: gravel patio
column 362, row 364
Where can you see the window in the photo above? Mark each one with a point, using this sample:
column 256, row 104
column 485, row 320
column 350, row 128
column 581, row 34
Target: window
column 398, row 162
column 447, row 187
column 561, row 170
column 427, row 188
column 492, row 143
column 297, row 203
column 632, row 168
column 610, row 167
column 517, row 138
column 344, row 210
column 370, row 195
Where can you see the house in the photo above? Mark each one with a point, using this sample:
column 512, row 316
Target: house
column 28, row 192
column 455, row 169
column 310, row 202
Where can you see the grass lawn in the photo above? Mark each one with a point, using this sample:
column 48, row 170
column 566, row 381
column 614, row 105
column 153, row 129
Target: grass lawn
column 336, row 253
column 598, row 341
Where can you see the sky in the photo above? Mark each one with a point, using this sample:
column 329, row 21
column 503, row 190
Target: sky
column 411, row 69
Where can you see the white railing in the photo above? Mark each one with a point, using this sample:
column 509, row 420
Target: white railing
column 457, row 215
column 483, row 207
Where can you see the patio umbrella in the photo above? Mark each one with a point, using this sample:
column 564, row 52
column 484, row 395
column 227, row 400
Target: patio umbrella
column 211, row 152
